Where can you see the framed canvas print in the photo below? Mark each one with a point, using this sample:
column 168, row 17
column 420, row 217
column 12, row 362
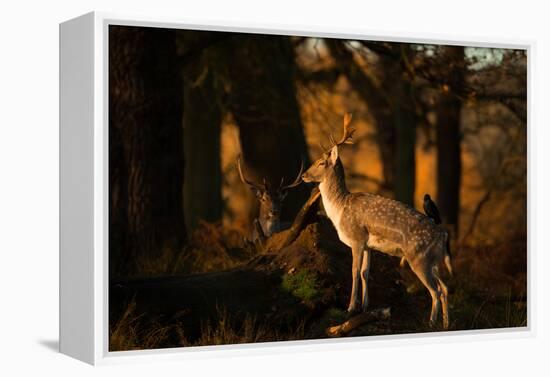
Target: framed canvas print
column 231, row 189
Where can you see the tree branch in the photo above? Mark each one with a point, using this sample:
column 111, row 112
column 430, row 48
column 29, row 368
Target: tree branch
column 358, row 320
column 300, row 219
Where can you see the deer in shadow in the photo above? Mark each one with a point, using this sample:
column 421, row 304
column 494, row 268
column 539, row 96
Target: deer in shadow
column 270, row 198
column 367, row 222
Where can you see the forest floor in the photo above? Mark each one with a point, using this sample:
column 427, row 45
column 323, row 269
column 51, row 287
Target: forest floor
column 220, row 290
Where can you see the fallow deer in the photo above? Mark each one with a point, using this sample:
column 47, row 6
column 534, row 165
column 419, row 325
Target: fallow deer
column 368, row 222
column 271, row 200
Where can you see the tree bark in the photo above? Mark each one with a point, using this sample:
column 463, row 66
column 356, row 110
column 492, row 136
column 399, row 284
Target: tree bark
column 202, row 119
column 448, row 138
column 405, row 160
column 145, row 153
column 404, row 122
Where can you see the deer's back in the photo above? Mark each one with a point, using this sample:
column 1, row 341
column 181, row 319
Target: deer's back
column 391, row 226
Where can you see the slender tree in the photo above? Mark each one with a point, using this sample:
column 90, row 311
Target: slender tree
column 448, row 137
column 202, row 117
column 145, row 133
column 400, row 89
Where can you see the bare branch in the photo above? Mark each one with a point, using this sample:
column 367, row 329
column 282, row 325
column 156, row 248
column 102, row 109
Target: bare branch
column 358, row 320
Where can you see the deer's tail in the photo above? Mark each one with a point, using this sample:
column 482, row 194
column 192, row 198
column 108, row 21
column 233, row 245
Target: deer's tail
column 447, row 259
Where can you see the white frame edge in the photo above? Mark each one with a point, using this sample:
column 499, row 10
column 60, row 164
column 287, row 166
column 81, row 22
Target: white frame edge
column 76, row 189
column 84, row 285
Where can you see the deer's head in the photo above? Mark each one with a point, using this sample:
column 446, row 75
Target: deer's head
column 270, row 197
column 328, row 163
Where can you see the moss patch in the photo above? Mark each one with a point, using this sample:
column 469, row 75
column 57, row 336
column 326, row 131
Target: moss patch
column 302, row 285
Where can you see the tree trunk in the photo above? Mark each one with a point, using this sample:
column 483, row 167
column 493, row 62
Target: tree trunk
column 395, row 119
column 404, row 124
column 405, row 161
column 202, row 119
column 378, row 106
column 145, row 133
column 449, row 165
column 262, row 98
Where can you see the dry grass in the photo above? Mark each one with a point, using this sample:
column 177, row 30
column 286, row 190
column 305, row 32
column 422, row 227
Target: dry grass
column 212, row 247
column 215, row 248
column 494, row 270
column 134, row 332
column 490, row 286
column 131, row 332
column 473, row 311
column 231, row 329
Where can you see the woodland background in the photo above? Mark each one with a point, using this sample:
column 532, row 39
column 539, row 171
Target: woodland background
column 444, row 120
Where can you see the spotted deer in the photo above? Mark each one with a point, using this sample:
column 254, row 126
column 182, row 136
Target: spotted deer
column 271, row 201
column 366, row 222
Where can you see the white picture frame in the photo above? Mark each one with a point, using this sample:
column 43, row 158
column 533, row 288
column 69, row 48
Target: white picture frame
column 83, row 85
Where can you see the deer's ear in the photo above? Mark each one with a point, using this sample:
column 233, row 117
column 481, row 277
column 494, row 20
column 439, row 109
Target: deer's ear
column 334, row 154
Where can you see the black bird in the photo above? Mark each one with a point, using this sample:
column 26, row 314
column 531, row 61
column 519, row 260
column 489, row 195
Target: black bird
column 431, row 209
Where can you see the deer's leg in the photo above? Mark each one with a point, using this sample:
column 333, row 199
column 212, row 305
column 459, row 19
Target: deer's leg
column 427, row 278
column 443, row 296
column 365, row 267
column 357, row 253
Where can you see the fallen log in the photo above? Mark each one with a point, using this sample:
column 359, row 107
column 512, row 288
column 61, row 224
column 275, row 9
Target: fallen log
column 358, row 320
column 299, row 221
column 281, row 240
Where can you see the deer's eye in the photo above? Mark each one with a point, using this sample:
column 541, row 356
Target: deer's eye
column 322, row 163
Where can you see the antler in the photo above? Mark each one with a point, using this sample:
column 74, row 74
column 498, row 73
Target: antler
column 297, row 181
column 348, row 132
column 250, row 183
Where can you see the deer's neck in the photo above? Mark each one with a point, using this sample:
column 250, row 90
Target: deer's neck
column 269, row 221
column 334, row 192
